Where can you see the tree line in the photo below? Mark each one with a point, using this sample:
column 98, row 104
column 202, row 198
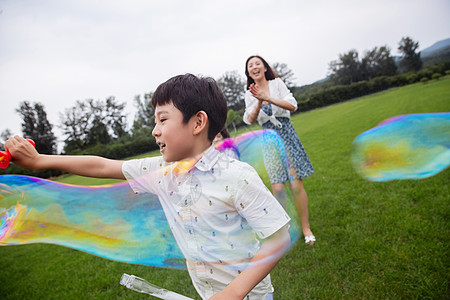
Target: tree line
column 100, row 126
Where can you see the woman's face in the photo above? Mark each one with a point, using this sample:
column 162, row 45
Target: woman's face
column 256, row 69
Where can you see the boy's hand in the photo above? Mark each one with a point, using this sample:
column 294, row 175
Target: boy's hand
column 225, row 295
column 22, row 151
column 272, row 247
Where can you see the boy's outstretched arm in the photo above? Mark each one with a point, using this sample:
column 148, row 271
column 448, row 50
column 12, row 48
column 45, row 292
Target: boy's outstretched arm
column 25, row 156
column 273, row 248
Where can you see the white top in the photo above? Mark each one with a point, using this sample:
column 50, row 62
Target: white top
column 215, row 211
column 278, row 90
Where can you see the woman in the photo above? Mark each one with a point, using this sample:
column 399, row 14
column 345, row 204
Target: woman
column 269, row 101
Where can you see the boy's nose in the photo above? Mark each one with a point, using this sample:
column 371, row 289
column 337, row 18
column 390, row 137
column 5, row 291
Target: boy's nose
column 155, row 131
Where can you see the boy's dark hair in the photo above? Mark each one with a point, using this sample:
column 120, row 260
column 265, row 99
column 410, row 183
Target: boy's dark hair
column 191, row 94
column 269, row 74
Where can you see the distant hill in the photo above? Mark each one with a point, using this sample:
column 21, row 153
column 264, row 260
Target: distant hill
column 437, row 53
column 436, row 48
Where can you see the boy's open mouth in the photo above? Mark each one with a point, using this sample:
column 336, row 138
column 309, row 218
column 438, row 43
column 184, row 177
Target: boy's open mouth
column 161, row 146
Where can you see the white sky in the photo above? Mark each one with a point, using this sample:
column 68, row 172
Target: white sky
column 59, row 51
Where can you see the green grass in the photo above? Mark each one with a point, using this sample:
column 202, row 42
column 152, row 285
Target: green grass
column 375, row 240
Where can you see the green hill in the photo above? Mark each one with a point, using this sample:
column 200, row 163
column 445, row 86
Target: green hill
column 375, row 240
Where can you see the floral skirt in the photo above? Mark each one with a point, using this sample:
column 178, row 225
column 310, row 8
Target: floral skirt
column 298, row 165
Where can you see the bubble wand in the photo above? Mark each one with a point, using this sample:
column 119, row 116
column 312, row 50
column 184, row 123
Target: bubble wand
column 142, row 286
column 5, row 156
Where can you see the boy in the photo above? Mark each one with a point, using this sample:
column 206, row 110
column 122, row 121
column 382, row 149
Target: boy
column 215, row 208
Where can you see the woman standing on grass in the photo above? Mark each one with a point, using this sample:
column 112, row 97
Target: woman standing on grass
column 269, row 101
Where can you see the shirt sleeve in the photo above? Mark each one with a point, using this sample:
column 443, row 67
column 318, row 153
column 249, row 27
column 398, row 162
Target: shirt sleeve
column 142, row 174
column 285, row 93
column 258, row 206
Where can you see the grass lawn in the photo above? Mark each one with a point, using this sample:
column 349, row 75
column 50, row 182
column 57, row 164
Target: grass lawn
column 375, row 240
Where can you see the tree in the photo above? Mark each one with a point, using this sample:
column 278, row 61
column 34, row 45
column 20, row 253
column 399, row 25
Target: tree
column 233, row 88
column 346, row 69
column 36, row 126
column 90, row 122
column 7, row 133
column 75, row 125
column 115, row 118
column 144, row 118
column 410, row 60
column 286, row 74
column 98, row 130
column 232, row 119
column 377, row 62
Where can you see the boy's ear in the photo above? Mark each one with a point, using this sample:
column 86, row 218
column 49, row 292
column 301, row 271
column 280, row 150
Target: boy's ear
column 200, row 122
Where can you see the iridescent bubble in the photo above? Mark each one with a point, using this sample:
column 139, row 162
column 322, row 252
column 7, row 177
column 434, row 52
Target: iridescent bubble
column 110, row 221
column 248, row 147
column 411, row 146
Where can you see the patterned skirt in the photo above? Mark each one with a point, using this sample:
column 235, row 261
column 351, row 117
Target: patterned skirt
column 298, row 166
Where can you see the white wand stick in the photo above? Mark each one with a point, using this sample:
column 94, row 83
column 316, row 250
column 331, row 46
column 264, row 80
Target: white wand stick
column 142, row 286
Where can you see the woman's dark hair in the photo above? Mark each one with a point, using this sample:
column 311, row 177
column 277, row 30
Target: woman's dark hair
column 191, row 94
column 225, row 134
column 269, row 74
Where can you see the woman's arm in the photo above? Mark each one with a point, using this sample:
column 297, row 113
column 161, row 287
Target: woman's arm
column 25, row 156
column 253, row 116
column 263, row 96
column 252, row 108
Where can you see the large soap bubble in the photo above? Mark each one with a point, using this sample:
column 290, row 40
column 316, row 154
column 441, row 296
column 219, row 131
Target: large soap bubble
column 411, row 146
column 110, row 221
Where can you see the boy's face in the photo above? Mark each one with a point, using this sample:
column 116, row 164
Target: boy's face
column 173, row 137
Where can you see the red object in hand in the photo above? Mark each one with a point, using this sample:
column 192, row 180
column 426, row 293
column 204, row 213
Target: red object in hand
column 5, row 156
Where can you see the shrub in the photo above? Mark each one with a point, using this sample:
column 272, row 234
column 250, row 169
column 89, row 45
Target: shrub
column 424, row 79
column 436, row 76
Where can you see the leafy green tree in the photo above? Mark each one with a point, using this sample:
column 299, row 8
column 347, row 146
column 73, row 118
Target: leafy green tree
column 144, row 118
column 346, row 69
column 232, row 119
column 7, row 133
column 410, row 60
column 115, row 118
column 233, row 87
column 98, row 130
column 377, row 62
column 36, row 126
column 286, row 74
column 75, row 123
column 91, row 122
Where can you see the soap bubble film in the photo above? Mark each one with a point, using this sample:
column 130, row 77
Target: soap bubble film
column 110, row 221
column 410, row 146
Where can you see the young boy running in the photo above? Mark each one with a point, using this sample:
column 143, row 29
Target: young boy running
column 215, row 206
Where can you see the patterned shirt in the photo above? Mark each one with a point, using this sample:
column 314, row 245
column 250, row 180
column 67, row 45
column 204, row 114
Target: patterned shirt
column 215, row 209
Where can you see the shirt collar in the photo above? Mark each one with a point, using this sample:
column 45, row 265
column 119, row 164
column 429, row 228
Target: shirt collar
column 208, row 159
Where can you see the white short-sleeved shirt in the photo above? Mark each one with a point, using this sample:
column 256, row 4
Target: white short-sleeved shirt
column 215, row 210
column 279, row 90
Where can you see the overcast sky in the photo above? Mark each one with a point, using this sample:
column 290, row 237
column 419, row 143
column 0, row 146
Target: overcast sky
column 58, row 51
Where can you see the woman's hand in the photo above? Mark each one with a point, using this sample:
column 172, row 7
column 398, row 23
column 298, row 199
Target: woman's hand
column 258, row 93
